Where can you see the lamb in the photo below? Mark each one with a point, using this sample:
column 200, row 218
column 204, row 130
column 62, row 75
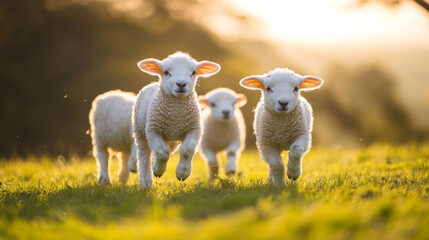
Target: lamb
column 167, row 113
column 224, row 129
column 283, row 120
column 111, row 131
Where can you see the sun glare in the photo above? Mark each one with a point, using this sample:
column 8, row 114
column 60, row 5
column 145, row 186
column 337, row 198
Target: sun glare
column 338, row 22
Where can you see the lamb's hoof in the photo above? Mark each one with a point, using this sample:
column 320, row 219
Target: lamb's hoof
column 181, row 178
column 230, row 173
column 293, row 178
column 157, row 175
column 103, row 180
column 183, row 171
column 133, row 170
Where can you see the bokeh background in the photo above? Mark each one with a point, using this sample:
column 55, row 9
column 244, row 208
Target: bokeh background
column 56, row 56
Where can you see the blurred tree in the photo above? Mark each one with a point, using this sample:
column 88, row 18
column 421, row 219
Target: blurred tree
column 57, row 56
column 394, row 3
column 364, row 105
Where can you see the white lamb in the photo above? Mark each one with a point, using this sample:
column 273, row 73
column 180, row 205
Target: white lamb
column 167, row 113
column 111, row 129
column 224, row 129
column 283, row 120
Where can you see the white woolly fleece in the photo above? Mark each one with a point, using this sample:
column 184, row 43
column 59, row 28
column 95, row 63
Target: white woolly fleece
column 110, row 120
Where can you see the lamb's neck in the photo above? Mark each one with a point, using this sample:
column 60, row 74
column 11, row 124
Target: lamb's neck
column 176, row 100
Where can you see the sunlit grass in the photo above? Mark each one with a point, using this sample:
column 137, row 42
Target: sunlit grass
column 379, row 192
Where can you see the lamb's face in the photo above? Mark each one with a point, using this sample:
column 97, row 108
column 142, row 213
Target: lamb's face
column 281, row 88
column 222, row 106
column 178, row 77
column 178, row 72
column 281, row 91
column 222, row 103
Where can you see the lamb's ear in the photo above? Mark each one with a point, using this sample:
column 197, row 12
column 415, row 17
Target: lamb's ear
column 207, row 68
column 253, row 82
column 203, row 101
column 241, row 100
column 310, row 83
column 151, row 66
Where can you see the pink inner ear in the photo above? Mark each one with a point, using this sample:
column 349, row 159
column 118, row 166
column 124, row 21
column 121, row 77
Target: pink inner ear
column 151, row 66
column 310, row 83
column 203, row 101
column 253, row 83
column 207, row 69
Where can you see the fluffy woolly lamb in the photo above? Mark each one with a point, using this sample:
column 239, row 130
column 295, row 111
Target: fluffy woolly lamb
column 283, row 120
column 167, row 113
column 224, row 128
column 111, row 129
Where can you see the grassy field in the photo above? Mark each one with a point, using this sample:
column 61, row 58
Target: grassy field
column 381, row 192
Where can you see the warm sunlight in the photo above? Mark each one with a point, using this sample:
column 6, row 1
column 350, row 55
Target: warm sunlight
column 337, row 22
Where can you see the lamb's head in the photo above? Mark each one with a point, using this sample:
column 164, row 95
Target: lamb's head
column 281, row 88
column 178, row 72
column 222, row 103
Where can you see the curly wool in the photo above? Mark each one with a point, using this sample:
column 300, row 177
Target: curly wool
column 158, row 112
column 219, row 135
column 282, row 130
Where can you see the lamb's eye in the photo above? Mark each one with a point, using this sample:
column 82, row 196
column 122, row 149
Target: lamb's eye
column 167, row 73
column 295, row 89
column 193, row 73
column 269, row 89
column 213, row 104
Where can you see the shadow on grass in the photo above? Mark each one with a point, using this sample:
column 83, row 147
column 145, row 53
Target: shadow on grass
column 94, row 203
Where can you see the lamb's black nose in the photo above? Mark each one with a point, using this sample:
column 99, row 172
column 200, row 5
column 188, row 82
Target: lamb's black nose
column 283, row 103
column 225, row 113
column 181, row 84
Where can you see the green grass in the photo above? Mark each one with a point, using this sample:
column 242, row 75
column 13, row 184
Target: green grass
column 379, row 192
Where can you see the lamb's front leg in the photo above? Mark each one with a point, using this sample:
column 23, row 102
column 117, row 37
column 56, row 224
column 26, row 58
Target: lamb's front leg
column 161, row 152
column 232, row 156
column 143, row 153
column 296, row 152
column 187, row 151
column 271, row 155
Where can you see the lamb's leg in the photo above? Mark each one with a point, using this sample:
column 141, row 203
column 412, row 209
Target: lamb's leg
column 232, row 156
column 123, row 171
column 296, row 152
column 132, row 160
column 102, row 156
column 144, row 162
column 187, row 151
column 272, row 156
column 212, row 162
column 161, row 152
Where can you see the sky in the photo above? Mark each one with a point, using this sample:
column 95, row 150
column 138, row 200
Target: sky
column 339, row 22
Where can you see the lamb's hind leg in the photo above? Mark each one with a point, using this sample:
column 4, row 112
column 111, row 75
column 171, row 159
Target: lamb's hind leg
column 296, row 152
column 102, row 156
column 123, row 172
column 212, row 162
column 272, row 156
column 132, row 160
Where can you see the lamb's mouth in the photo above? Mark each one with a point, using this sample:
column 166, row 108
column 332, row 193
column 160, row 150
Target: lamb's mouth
column 180, row 92
column 281, row 110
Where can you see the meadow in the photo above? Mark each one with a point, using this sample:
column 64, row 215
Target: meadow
column 377, row 192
